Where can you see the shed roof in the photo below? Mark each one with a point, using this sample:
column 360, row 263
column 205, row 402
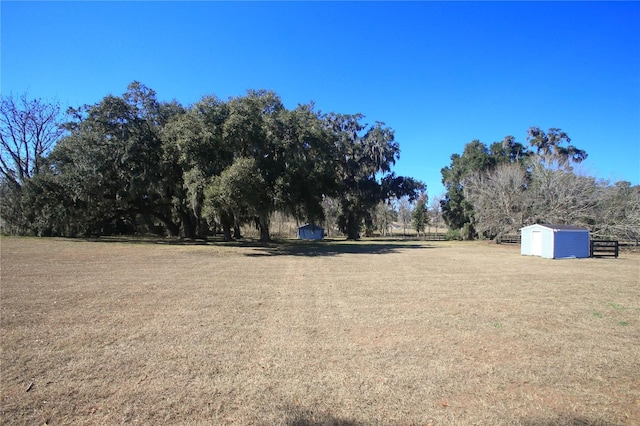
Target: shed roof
column 308, row 226
column 559, row 227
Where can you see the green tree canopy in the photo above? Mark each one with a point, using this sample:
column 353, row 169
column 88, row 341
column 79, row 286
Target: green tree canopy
column 475, row 177
column 132, row 162
column 420, row 213
column 364, row 153
column 110, row 162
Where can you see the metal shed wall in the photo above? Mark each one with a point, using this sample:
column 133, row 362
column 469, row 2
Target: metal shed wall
column 308, row 232
column 547, row 237
column 571, row 244
column 525, row 242
column 555, row 242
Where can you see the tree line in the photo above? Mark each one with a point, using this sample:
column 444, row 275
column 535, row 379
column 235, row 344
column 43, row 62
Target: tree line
column 497, row 189
column 132, row 163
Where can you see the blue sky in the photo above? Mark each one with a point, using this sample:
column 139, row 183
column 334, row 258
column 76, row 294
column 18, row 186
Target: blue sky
column 439, row 73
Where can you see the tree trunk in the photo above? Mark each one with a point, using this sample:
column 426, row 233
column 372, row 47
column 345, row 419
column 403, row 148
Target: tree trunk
column 263, row 224
column 172, row 229
column 226, row 221
column 188, row 226
column 203, row 229
column 226, row 232
column 353, row 226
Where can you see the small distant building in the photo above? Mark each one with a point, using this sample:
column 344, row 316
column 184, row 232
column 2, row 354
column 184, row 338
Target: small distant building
column 555, row 241
column 310, row 232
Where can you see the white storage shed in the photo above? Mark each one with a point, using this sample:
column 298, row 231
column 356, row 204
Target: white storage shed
column 555, row 241
column 310, row 232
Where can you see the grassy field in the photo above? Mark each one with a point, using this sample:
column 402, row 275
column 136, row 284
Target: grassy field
column 336, row 333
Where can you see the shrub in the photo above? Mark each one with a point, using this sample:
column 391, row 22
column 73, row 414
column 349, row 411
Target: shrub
column 453, row 235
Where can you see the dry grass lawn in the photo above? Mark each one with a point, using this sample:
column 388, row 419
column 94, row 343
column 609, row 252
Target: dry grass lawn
column 336, row 333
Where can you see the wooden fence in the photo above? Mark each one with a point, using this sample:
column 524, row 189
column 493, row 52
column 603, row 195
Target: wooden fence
column 429, row 236
column 509, row 239
column 432, row 236
column 604, row 248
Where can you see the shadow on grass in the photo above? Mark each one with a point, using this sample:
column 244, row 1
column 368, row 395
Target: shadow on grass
column 278, row 247
column 147, row 240
column 297, row 416
column 567, row 420
column 171, row 241
column 331, row 248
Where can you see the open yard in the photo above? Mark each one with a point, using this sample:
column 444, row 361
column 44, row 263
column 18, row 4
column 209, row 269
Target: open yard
column 336, row 333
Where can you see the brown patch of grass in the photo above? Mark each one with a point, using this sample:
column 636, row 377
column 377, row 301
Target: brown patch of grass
column 333, row 333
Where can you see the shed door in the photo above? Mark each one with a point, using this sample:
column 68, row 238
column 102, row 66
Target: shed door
column 536, row 243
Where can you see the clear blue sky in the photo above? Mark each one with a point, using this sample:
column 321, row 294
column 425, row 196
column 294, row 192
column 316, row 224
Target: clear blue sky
column 439, row 73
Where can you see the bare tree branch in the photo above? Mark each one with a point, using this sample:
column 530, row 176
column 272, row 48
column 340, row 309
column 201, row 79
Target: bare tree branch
column 29, row 128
